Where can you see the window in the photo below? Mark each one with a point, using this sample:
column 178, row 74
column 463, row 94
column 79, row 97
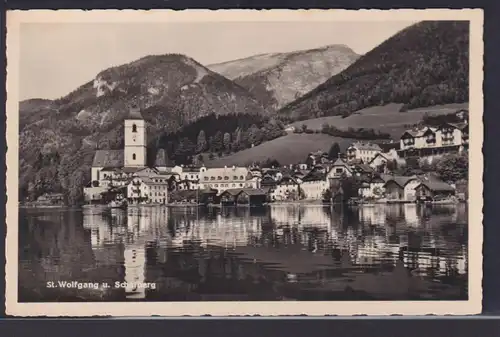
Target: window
column 133, row 156
column 219, row 178
column 226, row 178
column 338, row 170
column 134, row 128
column 241, row 177
column 212, row 178
column 206, row 178
column 216, row 185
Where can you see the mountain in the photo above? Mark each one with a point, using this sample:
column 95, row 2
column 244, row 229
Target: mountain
column 279, row 78
column 58, row 138
column 423, row 65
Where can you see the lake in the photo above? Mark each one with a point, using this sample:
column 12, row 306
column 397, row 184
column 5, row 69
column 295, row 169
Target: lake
column 273, row 253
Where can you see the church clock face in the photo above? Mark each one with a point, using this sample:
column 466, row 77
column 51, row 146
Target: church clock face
column 134, row 137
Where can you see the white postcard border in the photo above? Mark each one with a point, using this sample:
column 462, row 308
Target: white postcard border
column 320, row 308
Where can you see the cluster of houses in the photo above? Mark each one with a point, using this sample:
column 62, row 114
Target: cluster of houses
column 123, row 174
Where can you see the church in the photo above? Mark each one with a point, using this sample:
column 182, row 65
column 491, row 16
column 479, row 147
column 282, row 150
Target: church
column 116, row 168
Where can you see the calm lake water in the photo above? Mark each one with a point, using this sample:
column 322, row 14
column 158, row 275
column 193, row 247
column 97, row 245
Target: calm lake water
column 280, row 252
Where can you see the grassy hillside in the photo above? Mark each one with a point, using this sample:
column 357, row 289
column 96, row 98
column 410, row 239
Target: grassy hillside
column 290, row 149
column 279, row 78
column 425, row 64
column 385, row 118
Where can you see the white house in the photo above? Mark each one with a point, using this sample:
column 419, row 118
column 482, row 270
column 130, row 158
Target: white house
column 152, row 189
column 286, row 189
column 226, row 178
column 339, row 169
column 362, row 151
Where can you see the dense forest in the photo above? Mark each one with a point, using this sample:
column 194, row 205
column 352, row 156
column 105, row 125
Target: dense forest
column 214, row 136
column 423, row 65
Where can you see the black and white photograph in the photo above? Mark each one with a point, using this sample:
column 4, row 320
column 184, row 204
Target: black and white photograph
column 244, row 162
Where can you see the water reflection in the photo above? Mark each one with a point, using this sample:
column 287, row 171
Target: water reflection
column 396, row 252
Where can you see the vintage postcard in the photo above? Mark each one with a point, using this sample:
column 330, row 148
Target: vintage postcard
column 244, row 162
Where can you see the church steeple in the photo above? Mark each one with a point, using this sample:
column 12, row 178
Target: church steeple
column 135, row 139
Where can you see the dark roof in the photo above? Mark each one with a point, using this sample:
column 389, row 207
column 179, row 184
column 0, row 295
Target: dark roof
column 364, row 168
column 252, row 191
column 400, row 180
column 315, row 176
column 386, row 147
column 134, row 113
column 108, row 158
column 437, row 186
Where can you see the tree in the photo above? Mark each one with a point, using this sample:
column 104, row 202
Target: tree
column 350, row 187
column 392, row 165
column 75, row 195
column 201, row 143
column 227, row 141
column 327, row 194
column 217, row 142
column 200, row 158
column 453, row 167
column 334, row 151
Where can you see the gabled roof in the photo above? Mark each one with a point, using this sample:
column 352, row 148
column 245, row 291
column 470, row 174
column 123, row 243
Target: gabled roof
column 402, row 181
column 364, row 168
column 340, row 162
column 254, row 191
column 108, row 158
column 437, row 186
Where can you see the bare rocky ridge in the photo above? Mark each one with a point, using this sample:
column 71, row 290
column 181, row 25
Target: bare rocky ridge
column 279, row 78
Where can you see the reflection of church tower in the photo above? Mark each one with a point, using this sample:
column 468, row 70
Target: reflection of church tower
column 135, row 140
column 135, row 261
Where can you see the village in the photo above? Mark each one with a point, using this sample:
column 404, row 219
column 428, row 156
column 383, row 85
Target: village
column 365, row 173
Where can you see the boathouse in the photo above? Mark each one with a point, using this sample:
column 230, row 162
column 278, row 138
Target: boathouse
column 432, row 190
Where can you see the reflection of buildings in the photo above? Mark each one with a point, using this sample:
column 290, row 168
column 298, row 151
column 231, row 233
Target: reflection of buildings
column 183, row 247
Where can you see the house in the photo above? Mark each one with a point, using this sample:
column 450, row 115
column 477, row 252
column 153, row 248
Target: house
column 433, row 190
column 400, row 188
column 426, row 140
column 364, row 151
column 227, row 178
column 51, row 199
column 363, row 171
column 372, row 188
column 207, row 196
column 228, row 197
column 380, row 161
column 252, row 197
column 189, row 177
column 288, row 188
column 152, row 189
column 314, row 185
column 338, row 169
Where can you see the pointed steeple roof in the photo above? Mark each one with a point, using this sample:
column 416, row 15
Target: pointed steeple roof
column 134, row 113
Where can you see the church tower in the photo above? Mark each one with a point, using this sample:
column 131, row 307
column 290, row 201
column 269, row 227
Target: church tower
column 134, row 154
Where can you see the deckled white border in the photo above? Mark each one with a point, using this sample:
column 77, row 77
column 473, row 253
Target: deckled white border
column 472, row 306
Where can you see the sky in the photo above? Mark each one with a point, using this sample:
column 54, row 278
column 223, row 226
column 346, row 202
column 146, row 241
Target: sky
column 56, row 58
